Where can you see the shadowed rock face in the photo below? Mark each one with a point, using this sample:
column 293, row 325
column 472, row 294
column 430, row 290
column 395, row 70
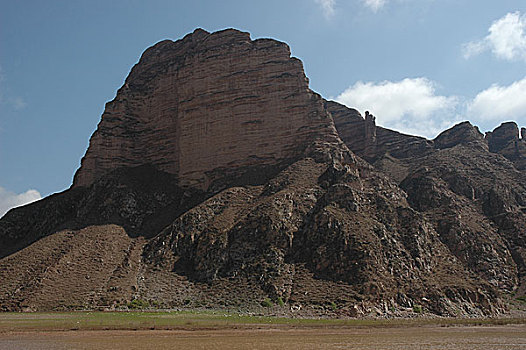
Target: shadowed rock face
column 463, row 133
column 370, row 141
column 467, row 186
column 499, row 138
column 207, row 104
column 143, row 200
column 216, row 178
column 505, row 140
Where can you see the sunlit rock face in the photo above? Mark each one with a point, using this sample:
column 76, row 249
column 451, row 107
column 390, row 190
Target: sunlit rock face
column 207, row 105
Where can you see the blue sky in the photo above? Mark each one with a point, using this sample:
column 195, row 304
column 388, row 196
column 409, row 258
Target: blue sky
column 418, row 65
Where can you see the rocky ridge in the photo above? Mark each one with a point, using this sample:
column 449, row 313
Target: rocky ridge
column 505, row 140
column 216, row 178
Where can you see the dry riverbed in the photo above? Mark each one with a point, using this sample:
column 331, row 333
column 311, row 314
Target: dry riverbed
column 219, row 331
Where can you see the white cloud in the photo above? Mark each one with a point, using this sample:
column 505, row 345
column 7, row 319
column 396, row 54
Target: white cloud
column 17, row 103
column 10, row 200
column 410, row 105
column 499, row 102
column 474, row 48
column 374, row 5
column 506, row 39
column 327, row 7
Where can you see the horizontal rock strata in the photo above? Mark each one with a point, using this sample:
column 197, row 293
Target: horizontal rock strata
column 208, row 102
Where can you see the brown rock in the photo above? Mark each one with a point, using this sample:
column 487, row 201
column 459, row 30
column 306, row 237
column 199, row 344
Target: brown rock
column 499, row 138
column 505, row 140
column 370, row 141
column 351, row 127
column 462, row 133
column 502, row 135
column 208, row 102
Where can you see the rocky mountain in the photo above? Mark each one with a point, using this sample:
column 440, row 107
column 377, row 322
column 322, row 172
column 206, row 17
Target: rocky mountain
column 206, row 107
column 217, row 178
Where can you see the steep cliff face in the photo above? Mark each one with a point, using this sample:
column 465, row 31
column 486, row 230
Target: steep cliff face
column 371, row 142
column 388, row 150
column 206, row 106
column 505, row 140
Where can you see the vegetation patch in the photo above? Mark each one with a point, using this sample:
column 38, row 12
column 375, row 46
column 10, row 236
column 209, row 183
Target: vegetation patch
column 267, row 303
column 418, row 309
column 138, row 304
column 132, row 320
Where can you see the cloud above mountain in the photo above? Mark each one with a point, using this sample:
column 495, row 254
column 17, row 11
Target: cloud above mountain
column 413, row 106
column 506, row 39
column 409, row 105
column 499, row 102
column 327, row 6
column 374, row 5
column 10, row 199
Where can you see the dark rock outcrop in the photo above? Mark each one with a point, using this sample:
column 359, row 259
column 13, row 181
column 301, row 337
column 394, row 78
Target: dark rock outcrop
column 500, row 138
column 370, row 141
column 463, row 133
column 471, row 194
column 142, row 200
column 505, row 140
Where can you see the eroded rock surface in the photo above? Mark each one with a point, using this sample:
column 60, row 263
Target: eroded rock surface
column 505, row 140
column 205, row 105
column 371, row 142
column 471, row 189
column 463, row 133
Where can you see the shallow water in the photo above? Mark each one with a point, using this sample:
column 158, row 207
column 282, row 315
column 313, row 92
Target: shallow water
column 487, row 337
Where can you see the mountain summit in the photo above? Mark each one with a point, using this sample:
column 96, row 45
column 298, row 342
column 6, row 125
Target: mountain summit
column 216, row 178
column 208, row 106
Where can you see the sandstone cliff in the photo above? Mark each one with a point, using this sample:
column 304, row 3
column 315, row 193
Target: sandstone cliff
column 369, row 141
column 206, row 106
